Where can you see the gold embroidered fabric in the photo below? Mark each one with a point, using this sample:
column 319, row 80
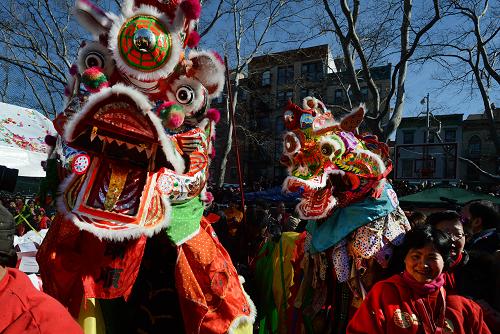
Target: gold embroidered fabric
column 115, row 188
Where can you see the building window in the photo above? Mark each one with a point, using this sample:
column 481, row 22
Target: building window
column 313, row 71
column 305, row 92
column 280, row 125
column 475, row 145
column 266, row 78
column 285, row 75
column 432, row 137
column 339, row 96
column 450, row 135
column 408, row 137
column 407, row 167
column 282, row 98
column 364, row 93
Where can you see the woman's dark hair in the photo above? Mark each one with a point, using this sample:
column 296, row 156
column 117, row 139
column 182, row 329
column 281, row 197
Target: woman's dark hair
column 417, row 218
column 423, row 235
column 437, row 217
column 487, row 211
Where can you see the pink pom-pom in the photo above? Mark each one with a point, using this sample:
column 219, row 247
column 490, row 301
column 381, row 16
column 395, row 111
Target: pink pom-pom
column 191, row 8
column 218, row 56
column 50, row 140
column 193, row 39
column 214, row 115
column 73, row 70
column 209, row 197
column 175, row 120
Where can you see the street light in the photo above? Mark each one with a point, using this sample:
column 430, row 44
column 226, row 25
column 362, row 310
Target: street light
column 422, row 102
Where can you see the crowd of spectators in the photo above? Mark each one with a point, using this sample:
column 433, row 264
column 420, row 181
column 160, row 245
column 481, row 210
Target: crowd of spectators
column 27, row 212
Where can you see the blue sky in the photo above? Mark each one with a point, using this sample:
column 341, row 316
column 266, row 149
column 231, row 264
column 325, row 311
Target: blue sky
column 420, row 80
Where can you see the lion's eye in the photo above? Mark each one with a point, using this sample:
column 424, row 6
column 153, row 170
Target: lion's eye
column 326, row 149
column 94, row 59
column 184, row 95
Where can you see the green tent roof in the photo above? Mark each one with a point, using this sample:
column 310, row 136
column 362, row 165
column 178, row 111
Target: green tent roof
column 440, row 196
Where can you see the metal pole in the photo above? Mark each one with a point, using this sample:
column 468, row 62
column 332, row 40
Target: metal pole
column 235, row 138
column 428, row 121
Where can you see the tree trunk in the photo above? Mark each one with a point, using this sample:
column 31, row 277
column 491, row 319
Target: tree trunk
column 229, row 142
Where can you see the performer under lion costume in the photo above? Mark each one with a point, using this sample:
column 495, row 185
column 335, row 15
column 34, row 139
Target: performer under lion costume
column 136, row 140
column 354, row 221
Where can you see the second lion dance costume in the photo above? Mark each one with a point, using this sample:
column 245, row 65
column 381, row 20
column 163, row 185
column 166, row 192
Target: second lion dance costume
column 354, row 223
column 133, row 154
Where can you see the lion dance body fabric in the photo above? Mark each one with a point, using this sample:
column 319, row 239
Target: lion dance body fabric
column 354, row 219
column 134, row 146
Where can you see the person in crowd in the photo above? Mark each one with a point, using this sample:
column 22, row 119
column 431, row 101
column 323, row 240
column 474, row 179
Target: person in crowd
column 417, row 218
column 450, row 223
column 480, row 278
column 415, row 300
column 25, row 309
column 43, row 219
column 281, row 215
column 483, row 219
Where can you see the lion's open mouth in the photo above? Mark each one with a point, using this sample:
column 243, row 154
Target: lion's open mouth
column 124, row 146
column 316, row 198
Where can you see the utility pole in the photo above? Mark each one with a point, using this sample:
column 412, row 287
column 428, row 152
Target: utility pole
column 428, row 120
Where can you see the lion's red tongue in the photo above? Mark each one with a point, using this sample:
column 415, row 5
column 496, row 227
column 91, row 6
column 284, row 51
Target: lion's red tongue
column 117, row 188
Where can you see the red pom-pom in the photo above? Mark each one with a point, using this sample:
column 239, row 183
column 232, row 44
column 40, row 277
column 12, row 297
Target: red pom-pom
column 193, row 39
column 214, row 115
column 191, row 8
column 50, row 140
column 218, row 56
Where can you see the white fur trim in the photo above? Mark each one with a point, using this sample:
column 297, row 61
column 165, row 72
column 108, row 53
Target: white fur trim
column 198, row 92
column 127, row 8
column 175, row 51
column 306, row 99
column 212, row 73
column 140, row 100
column 168, row 146
column 244, row 319
column 143, row 104
column 96, row 47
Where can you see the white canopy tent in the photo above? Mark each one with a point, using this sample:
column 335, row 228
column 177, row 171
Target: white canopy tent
column 22, row 139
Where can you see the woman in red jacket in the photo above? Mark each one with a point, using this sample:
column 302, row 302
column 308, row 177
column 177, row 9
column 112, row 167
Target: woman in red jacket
column 415, row 300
